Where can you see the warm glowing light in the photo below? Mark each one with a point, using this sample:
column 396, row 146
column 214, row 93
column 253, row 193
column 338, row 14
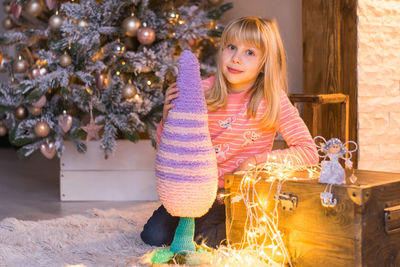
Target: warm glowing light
column 123, row 63
column 181, row 22
column 148, row 82
column 118, row 72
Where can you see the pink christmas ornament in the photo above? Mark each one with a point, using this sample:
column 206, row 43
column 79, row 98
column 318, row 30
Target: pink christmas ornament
column 16, row 10
column 41, row 102
column 51, row 4
column 65, row 121
column 48, row 150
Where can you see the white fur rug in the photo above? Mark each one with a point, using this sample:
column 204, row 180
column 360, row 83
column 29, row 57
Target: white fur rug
column 97, row 238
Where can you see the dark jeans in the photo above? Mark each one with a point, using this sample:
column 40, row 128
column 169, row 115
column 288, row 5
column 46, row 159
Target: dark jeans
column 210, row 228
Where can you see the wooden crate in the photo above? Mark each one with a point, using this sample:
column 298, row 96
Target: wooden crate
column 128, row 175
column 363, row 229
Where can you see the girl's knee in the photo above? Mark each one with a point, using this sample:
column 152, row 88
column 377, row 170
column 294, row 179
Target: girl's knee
column 156, row 237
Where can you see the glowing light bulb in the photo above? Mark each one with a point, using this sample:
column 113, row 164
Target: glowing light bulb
column 148, row 82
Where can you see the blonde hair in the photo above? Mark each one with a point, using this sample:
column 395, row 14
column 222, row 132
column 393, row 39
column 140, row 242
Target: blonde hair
column 263, row 34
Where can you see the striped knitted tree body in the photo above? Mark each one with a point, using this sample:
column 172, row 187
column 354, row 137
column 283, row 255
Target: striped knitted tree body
column 186, row 164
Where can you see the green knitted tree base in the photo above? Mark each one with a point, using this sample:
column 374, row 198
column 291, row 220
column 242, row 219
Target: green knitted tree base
column 166, row 256
column 163, row 255
column 184, row 235
column 183, row 249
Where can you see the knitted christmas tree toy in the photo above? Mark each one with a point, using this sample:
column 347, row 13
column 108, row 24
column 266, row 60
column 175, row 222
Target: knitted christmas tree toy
column 186, row 164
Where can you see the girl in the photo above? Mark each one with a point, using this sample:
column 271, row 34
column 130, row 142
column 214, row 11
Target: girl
column 247, row 105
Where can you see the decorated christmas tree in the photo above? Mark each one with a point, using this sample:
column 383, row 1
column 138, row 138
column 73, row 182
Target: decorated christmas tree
column 96, row 69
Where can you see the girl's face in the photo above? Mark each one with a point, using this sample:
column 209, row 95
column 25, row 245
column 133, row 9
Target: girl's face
column 240, row 65
column 334, row 149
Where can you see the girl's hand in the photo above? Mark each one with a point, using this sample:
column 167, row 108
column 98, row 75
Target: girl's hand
column 170, row 94
column 247, row 164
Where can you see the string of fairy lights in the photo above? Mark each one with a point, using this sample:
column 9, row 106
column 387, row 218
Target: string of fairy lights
column 263, row 243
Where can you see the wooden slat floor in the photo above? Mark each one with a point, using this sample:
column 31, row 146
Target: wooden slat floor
column 29, row 189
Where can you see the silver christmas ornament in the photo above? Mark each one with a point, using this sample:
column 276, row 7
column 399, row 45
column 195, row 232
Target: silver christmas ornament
column 131, row 25
column 65, row 60
column 34, row 8
column 55, row 22
column 20, row 65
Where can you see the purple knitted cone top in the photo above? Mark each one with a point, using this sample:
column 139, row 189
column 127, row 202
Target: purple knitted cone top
column 186, row 164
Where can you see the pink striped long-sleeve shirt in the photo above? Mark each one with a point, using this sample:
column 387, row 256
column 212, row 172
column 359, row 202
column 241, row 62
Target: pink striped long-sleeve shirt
column 236, row 137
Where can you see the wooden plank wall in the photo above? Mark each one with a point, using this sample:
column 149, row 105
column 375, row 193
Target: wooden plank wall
column 330, row 60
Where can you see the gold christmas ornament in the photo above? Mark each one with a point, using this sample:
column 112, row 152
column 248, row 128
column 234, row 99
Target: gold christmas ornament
column 35, row 111
column 8, row 24
column 3, row 129
column 146, row 35
column 20, row 65
column 34, row 8
column 48, row 149
column 42, row 129
column 55, row 21
column 129, row 90
column 20, row 112
column 131, row 25
column 65, row 60
column 7, row 8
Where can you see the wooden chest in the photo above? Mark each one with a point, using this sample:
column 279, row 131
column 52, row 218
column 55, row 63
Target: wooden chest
column 363, row 229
